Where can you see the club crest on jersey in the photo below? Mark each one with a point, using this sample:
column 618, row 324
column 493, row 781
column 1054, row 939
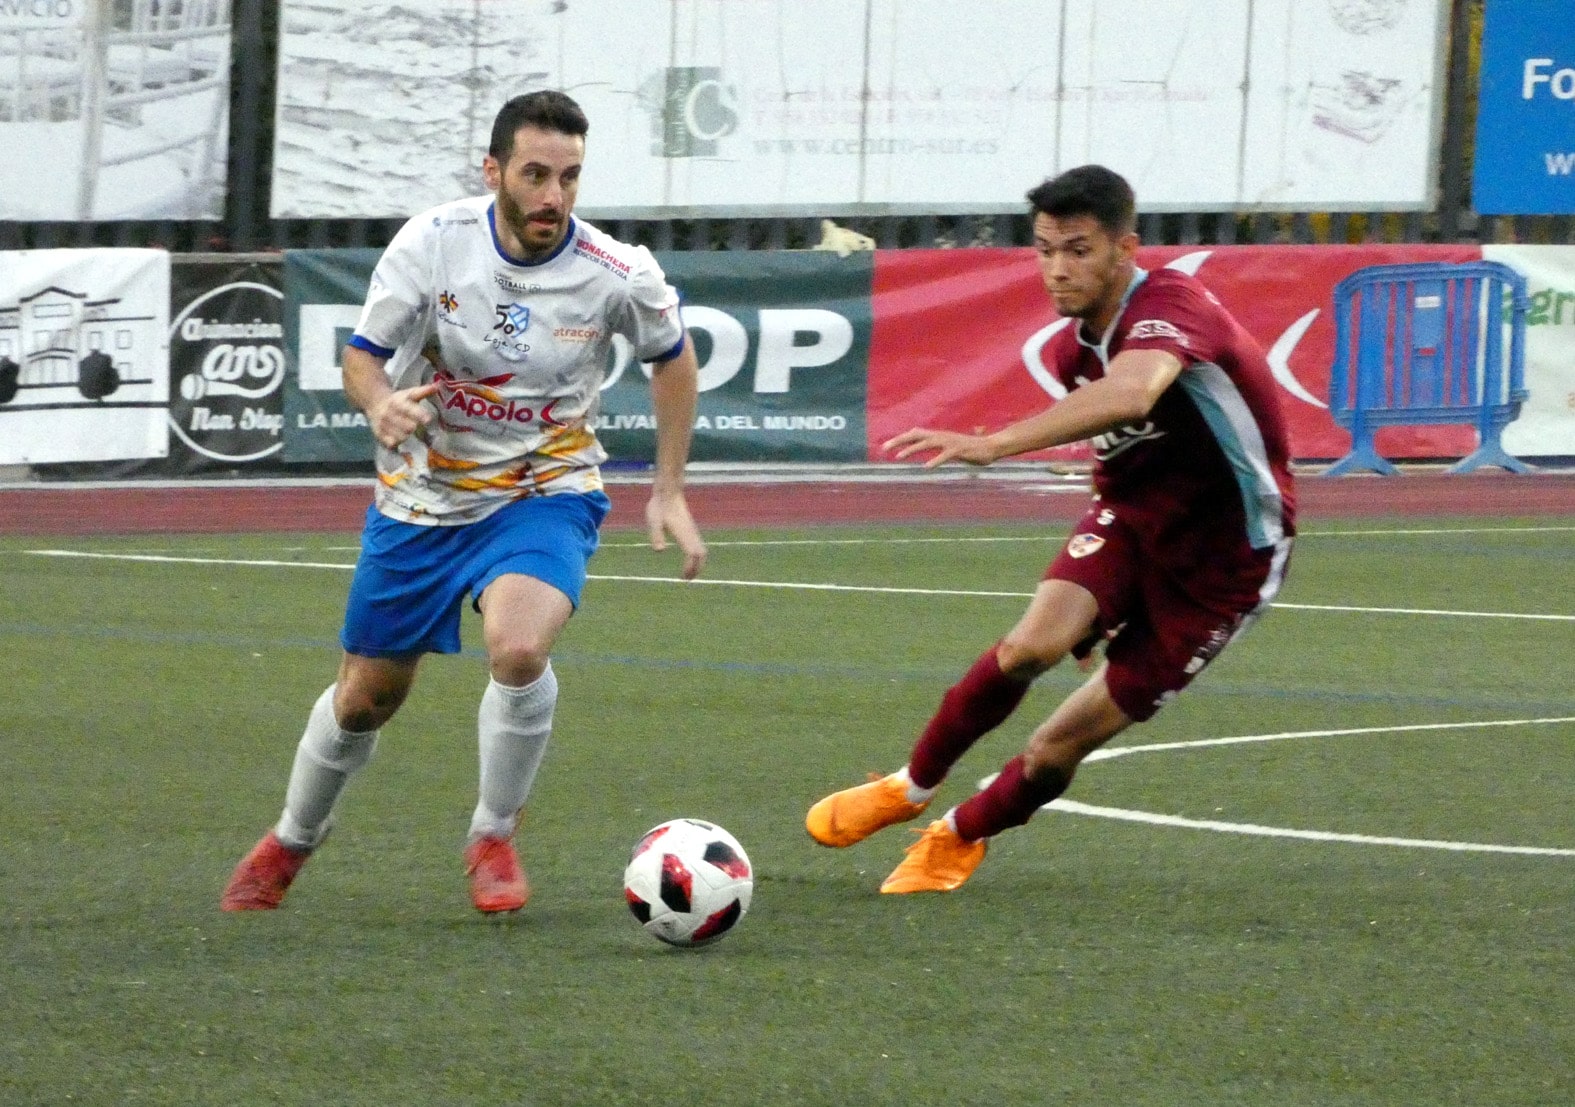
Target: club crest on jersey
column 508, row 330
column 1081, row 545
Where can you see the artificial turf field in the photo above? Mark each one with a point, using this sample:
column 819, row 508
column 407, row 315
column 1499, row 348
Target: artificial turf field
column 151, row 709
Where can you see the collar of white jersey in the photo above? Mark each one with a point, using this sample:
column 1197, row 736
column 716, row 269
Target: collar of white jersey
column 492, row 227
column 1102, row 347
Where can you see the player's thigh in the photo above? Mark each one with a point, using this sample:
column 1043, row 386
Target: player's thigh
column 521, row 617
column 1157, row 655
column 1060, row 615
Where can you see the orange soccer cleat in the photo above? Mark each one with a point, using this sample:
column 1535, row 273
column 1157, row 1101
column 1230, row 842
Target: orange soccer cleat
column 940, row 861
column 263, row 876
column 853, row 814
column 497, row 883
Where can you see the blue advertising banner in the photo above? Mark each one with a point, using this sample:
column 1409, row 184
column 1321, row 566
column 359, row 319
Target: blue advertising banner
column 1525, row 151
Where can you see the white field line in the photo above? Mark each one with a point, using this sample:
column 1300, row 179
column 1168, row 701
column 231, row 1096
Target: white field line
column 1153, row 819
column 1110, row 753
column 1075, row 808
column 1053, row 535
column 1048, row 536
column 802, row 586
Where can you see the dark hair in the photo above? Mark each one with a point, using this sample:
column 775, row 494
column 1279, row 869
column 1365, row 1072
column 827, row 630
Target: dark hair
column 1088, row 190
column 547, row 110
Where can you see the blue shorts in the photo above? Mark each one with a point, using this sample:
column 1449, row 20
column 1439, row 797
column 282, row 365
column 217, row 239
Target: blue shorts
column 410, row 580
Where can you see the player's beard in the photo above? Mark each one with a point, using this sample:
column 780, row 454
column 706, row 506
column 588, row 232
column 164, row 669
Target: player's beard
column 515, row 218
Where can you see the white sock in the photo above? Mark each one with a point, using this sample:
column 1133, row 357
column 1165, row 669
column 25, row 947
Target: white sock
column 326, row 758
column 915, row 793
column 512, row 730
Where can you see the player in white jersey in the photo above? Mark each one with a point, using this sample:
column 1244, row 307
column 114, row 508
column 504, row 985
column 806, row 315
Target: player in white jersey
column 478, row 360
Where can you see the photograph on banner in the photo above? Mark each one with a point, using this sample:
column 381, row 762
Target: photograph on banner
column 958, row 335
column 783, row 343
column 826, row 107
column 113, row 110
column 1524, row 159
column 84, row 355
column 227, row 364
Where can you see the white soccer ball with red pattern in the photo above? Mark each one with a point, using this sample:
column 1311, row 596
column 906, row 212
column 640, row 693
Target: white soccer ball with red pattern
column 688, row 882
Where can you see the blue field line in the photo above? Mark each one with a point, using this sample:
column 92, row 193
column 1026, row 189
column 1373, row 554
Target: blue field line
column 940, row 677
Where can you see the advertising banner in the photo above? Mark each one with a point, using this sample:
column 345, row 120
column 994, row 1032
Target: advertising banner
column 823, row 107
column 782, row 339
column 1525, row 141
column 1546, row 427
column 323, row 293
column 226, row 364
column 958, row 336
column 783, row 342
column 808, row 357
column 113, row 110
column 84, row 358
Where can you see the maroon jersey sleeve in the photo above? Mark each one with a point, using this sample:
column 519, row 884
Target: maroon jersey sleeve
column 1179, row 317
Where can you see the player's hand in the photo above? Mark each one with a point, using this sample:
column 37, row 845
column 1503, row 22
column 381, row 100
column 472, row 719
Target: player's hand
column 398, row 415
column 975, row 449
column 666, row 513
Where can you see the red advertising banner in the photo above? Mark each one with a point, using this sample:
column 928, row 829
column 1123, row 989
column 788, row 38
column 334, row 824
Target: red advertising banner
column 958, row 333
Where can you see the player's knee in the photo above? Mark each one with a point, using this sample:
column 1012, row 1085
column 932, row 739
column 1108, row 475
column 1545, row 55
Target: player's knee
column 518, row 661
column 1026, row 658
column 362, row 707
column 1047, row 756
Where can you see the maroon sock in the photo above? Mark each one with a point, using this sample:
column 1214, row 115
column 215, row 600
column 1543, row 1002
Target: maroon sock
column 1010, row 800
column 975, row 705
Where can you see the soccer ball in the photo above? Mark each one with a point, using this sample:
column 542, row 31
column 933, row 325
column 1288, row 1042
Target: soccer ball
column 688, row 882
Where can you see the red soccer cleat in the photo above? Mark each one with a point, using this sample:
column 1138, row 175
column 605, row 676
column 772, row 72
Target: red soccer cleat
column 497, row 883
column 263, row 876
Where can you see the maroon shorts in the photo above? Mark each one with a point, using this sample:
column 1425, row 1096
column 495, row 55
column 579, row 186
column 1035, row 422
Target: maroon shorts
column 1164, row 624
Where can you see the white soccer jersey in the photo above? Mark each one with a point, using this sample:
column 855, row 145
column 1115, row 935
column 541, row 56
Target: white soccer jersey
column 519, row 351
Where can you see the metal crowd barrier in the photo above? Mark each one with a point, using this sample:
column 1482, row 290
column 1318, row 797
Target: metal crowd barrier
column 1429, row 344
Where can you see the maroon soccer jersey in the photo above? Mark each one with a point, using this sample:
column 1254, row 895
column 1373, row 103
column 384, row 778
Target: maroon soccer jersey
column 1207, row 476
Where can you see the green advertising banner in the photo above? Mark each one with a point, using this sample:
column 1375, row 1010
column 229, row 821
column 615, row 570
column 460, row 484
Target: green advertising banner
column 782, row 338
column 783, row 341
column 323, row 293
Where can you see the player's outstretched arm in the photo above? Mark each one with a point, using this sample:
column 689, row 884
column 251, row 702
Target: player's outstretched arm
column 393, row 415
column 1132, row 384
column 674, row 396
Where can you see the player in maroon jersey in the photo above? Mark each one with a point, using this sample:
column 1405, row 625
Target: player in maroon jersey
column 1185, row 543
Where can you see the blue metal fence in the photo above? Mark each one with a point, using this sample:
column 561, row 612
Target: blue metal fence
column 1429, row 344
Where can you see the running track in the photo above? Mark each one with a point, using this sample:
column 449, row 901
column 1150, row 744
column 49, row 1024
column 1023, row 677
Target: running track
column 58, row 509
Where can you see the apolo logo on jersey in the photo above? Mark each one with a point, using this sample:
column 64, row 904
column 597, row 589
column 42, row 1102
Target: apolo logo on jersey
column 479, row 400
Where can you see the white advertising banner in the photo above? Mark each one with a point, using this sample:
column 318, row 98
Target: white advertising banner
column 1546, row 427
column 84, row 355
column 113, row 110
column 757, row 107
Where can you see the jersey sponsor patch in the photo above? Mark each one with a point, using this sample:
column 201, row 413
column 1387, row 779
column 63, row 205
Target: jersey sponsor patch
column 1155, row 328
column 1081, row 545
